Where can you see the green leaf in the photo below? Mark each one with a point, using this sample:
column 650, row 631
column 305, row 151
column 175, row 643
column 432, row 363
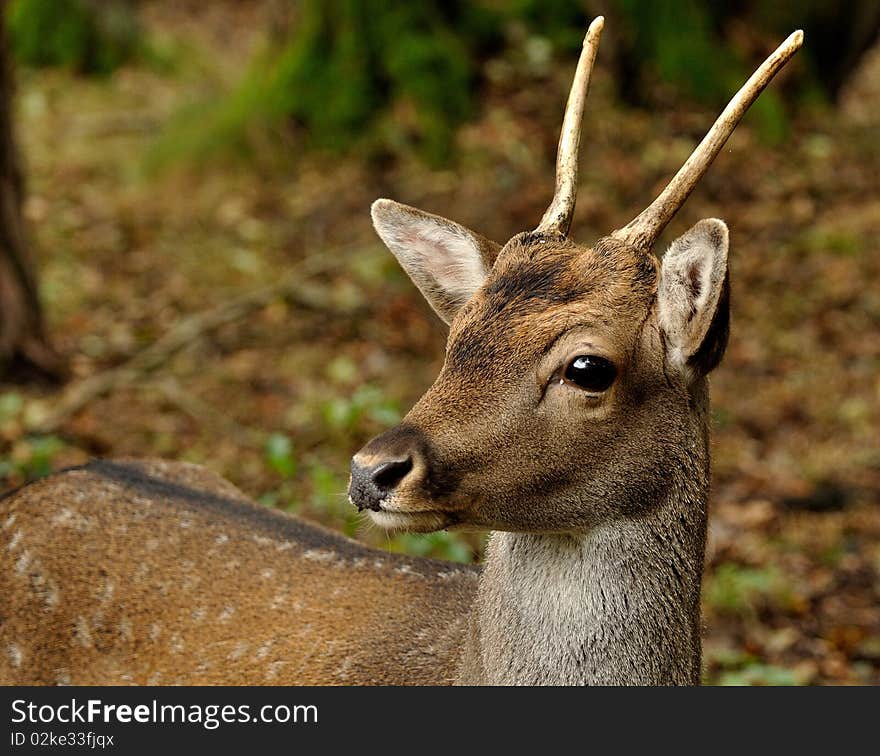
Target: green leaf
column 279, row 455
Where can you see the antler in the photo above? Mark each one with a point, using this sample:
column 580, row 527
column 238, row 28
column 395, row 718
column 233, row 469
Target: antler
column 558, row 216
column 644, row 230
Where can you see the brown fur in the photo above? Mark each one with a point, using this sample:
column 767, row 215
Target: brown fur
column 163, row 573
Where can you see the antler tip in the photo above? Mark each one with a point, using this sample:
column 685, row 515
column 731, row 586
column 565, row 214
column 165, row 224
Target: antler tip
column 595, row 29
column 646, row 227
column 792, row 43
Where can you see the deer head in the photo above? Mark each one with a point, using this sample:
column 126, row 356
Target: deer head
column 574, row 386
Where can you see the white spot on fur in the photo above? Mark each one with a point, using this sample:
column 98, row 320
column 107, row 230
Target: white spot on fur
column 273, row 669
column 83, row 633
column 186, row 523
column 199, row 614
column 50, row 597
column 62, row 677
column 23, row 562
column 221, row 539
column 177, row 644
column 277, row 601
column 238, row 651
column 286, row 546
column 155, row 631
column 263, row 651
column 15, row 654
column 14, row 541
column 267, row 574
column 9, row 521
column 319, row 555
column 342, row 669
column 125, row 629
column 63, row 517
column 226, row 614
column 98, row 618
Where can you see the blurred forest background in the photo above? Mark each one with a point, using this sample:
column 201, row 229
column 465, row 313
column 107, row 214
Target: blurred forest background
column 188, row 184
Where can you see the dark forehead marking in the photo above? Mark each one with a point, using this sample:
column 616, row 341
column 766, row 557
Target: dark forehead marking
column 534, row 272
column 639, row 267
column 475, row 350
column 532, row 286
column 531, row 278
column 538, row 272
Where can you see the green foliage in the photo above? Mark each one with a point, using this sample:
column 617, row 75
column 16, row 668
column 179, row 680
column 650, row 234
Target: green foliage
column 73, row 33
column 736, row 667
column 352, row 62
column 676, row 35
column 11, row 406
column 681, row 43
column 759, row 674
column 394, row 77
column 347, row 413
column 562, row 22
column 229, row 125
column 438, row 545
column 279, row 455
column 355, row 73
column 830, row 241
column 734, row 589
column 31, row 458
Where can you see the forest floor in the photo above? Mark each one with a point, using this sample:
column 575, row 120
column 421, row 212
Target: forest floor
column 277, row 398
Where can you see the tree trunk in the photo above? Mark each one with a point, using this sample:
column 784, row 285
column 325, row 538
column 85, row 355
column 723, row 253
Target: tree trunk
column 24, row 348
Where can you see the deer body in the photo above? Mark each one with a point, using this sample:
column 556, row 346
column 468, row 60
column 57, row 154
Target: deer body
column 570, row 418
column 163, row 573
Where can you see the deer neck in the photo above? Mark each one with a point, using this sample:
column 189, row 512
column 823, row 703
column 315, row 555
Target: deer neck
column 617, row 605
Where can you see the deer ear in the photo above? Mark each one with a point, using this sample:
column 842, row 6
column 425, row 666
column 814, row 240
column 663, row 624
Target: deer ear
column 693, row 300
column 445, row 260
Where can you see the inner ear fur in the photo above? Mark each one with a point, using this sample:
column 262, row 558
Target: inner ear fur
column 694, row 297
column 445, row 260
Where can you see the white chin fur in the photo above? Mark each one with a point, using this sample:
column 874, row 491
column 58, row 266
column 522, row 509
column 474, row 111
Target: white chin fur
column 414, row 522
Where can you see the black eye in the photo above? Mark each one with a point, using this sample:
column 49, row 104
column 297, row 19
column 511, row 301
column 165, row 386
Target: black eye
column 590, row 372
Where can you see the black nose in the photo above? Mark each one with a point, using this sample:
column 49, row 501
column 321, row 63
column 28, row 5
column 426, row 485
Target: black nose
column 370, row 484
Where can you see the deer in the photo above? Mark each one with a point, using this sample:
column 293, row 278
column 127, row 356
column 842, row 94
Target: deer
column 570, row 419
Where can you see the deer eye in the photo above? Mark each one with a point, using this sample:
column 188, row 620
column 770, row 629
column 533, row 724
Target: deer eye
column 590, row 372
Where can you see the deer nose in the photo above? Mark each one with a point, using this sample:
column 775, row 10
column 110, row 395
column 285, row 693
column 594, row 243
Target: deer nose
column 370, row 484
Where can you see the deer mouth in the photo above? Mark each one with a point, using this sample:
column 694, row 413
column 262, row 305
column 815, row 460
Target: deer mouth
column 412, row 521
